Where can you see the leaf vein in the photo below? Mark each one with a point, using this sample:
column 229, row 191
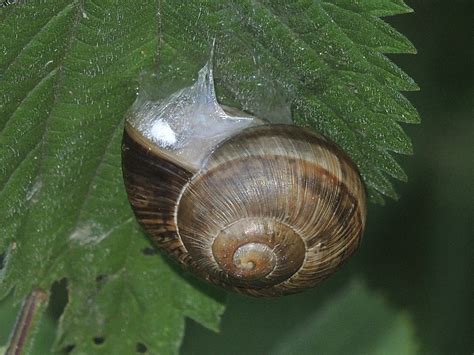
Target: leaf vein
column 30, row 92
column 41, row 30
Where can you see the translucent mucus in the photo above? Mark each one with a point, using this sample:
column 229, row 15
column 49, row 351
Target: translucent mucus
column 190, row 122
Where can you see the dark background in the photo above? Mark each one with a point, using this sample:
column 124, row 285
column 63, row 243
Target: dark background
column 417, row 252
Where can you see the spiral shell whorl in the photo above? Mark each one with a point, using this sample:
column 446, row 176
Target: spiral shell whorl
column 251, row 252
column 278, row 197
column 273, row 210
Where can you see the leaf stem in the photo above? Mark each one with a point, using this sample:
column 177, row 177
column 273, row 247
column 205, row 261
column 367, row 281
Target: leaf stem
column 27, row 322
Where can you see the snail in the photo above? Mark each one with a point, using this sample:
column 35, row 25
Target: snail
column 257, row 208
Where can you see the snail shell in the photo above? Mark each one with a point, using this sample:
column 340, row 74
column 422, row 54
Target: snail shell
column 257, row 208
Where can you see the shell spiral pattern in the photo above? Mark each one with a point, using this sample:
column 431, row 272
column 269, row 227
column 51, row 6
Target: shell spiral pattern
column 273, row 210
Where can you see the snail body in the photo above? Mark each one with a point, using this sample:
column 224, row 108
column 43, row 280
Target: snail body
column 257, row 208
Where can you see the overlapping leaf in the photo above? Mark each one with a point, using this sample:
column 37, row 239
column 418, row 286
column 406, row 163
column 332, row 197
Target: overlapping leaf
column 68, row 73
column 356, row 321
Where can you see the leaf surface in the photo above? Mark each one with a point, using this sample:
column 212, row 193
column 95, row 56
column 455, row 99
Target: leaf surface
column 67, row 215
column 69, row 71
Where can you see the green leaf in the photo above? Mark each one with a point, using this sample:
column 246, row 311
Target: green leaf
column 68, row 83
column 42, row 342
column 135, row 302
column 69, row 72
column 322, row 59
column 356, row 321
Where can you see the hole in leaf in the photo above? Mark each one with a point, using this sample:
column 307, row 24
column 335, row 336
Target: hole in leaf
column 68, row 348
column 59, row 298
column 149, row 251
column 98, row 340
column 141, row 348
column 2, row 260
column 101, row 280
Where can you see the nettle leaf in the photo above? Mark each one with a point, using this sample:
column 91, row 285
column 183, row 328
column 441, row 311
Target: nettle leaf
column 68, row 73
column 67, row 79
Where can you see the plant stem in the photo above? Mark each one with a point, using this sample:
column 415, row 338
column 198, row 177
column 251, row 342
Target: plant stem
column 27, row 322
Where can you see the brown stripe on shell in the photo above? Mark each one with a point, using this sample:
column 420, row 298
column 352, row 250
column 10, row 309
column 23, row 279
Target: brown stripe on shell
column 153, row 183
column 300, row 180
